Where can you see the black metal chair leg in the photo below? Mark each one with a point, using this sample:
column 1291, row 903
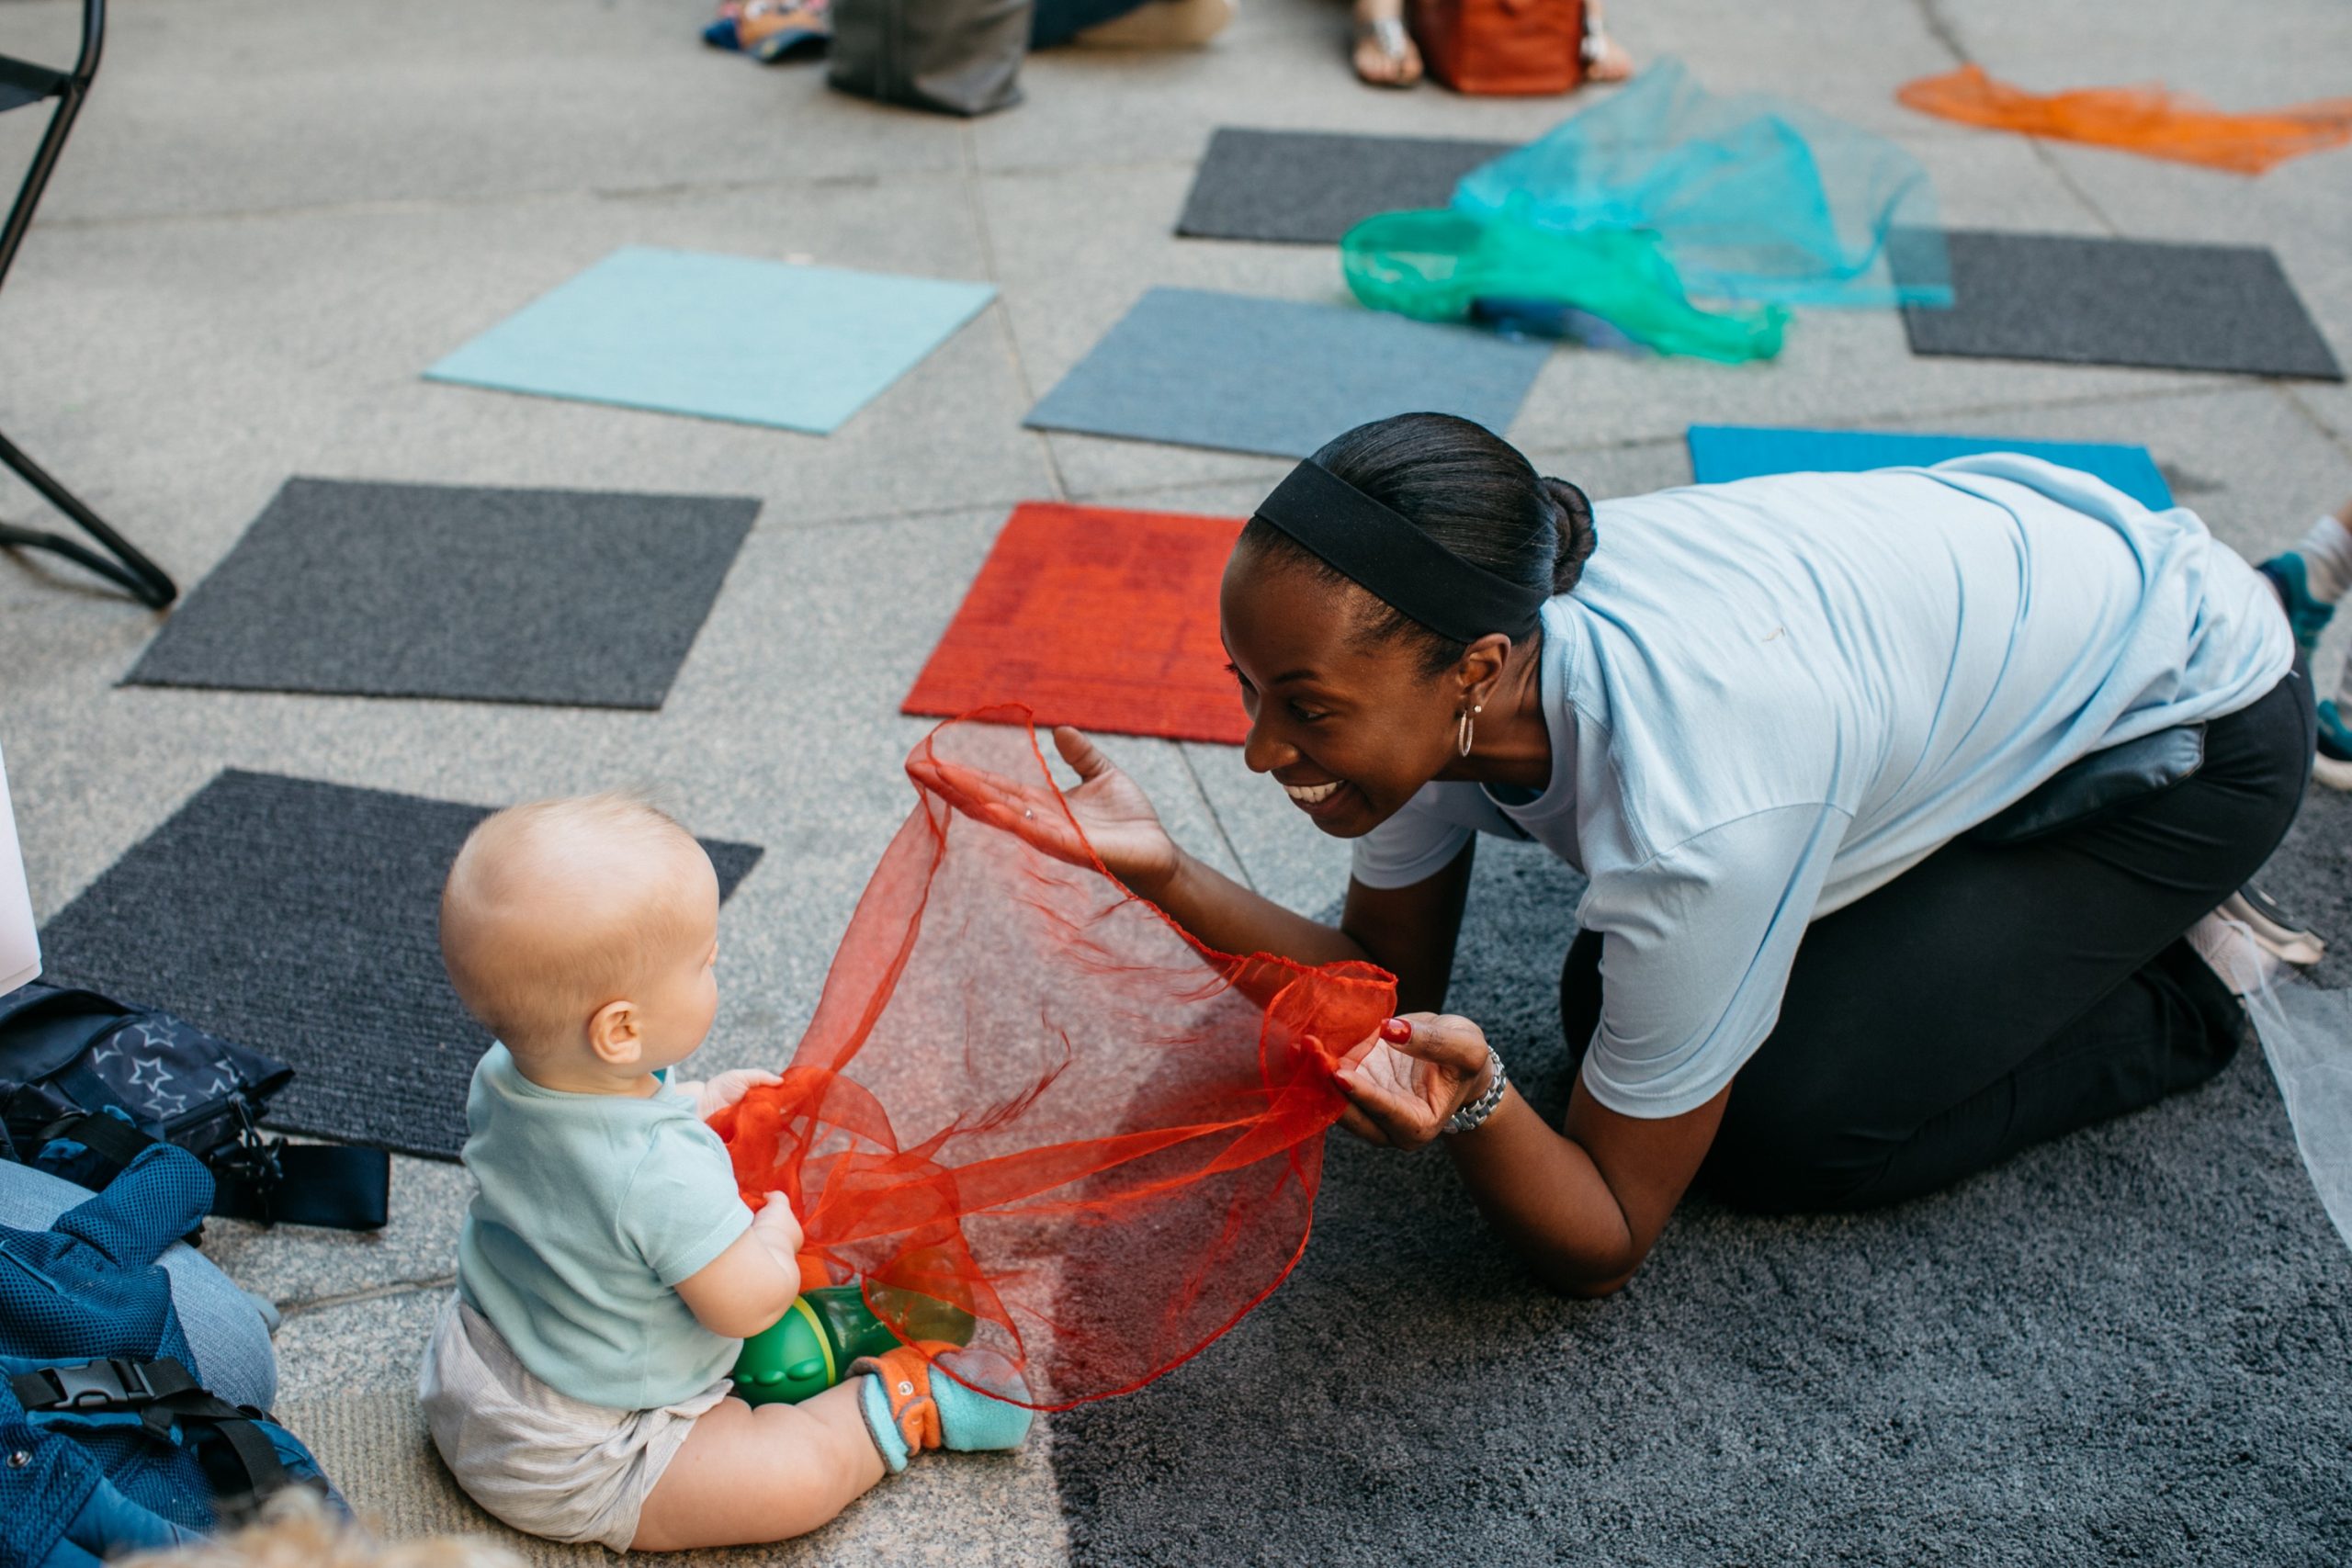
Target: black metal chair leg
column 22, row 83
column 144, row 580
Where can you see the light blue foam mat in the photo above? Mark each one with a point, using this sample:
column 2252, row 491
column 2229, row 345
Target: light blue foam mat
column 1197, row 368
column 1720, row 453
column 719, row 337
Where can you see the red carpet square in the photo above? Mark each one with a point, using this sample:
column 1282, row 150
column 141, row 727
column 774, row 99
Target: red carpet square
column 1102, row 619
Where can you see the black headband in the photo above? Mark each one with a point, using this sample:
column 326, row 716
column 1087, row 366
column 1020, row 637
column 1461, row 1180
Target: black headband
column 1380, row 551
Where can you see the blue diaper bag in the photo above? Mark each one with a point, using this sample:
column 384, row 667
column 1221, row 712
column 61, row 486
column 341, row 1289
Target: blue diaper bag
column 107, row 1443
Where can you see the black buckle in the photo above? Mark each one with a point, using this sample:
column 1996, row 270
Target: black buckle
column 95, row 1385
column 252, row 1159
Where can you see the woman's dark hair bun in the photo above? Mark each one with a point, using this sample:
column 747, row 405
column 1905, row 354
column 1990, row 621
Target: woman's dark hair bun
column 1575, row 531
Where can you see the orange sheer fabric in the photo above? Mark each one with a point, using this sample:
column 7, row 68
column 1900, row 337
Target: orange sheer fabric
column 1028, row 1094
column 2153, row 120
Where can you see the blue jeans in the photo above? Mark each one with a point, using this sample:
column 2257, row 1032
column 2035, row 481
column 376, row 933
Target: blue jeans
column 226, row 1331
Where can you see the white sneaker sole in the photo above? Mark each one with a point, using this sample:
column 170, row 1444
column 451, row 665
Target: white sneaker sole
column 2283, row 943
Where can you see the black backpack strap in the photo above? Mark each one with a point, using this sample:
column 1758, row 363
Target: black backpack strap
column 161, row 1392
column 266, row 1179
column 306, row 1184
column 109, row 1137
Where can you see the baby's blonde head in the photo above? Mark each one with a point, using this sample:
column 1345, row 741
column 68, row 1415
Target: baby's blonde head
column 556, row 907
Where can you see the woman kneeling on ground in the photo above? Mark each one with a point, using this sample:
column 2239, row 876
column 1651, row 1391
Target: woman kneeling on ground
column 1761, row 720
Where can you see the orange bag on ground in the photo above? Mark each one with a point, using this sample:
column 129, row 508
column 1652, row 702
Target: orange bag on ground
column 1028, row 1094
column 2153, row 120
column 1501, row 47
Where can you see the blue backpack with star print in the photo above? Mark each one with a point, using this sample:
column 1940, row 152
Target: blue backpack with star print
column 88, row 1083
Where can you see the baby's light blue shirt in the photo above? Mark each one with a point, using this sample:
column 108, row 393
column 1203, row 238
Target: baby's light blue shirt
column 589, row 1209
column 1767, row 699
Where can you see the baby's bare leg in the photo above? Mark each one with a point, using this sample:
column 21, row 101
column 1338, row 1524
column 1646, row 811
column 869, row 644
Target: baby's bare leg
column 748, row 1474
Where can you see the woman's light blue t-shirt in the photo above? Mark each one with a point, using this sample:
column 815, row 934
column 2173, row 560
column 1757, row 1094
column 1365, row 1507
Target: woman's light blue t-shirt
column 589, row 1209
column 1768, row 698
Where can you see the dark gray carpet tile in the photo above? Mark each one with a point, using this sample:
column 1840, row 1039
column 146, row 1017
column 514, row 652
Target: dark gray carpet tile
column 1308, row 187
column 301, row 918
column 1199, row 369
column 2084, row 301
column 578, row 597
column 2134, row 1345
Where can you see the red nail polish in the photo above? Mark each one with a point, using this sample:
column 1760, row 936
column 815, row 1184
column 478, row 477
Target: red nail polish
column 1395, row 1031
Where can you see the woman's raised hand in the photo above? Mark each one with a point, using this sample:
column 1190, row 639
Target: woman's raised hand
column 1109, row 809
column 1117, row 817
column 1404, row 1082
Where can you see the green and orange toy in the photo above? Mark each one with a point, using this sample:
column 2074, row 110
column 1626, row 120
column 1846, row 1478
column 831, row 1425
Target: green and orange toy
column 810, row 1349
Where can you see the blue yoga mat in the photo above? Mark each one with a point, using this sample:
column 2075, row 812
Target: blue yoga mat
column 1198, row 368
column 719, row 337
column 1724, row 452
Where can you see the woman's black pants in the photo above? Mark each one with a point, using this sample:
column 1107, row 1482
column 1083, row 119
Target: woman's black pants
column 1993, row 997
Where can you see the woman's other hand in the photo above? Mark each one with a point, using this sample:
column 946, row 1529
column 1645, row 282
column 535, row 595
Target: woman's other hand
column 1404, row 1082
column 1109, row 809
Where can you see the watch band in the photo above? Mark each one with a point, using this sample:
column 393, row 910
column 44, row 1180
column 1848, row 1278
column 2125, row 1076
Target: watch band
column 1469, row 1118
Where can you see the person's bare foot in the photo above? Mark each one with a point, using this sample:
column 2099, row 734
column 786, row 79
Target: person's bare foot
column 1604, row 58
column 1384, row 53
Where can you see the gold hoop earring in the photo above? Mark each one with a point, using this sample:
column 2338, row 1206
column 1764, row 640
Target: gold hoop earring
column 1466, row 727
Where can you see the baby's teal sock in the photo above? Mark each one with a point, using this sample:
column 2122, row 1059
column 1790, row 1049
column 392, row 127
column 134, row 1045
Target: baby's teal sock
column 970, row 1421
column 874, row 1405
column 908, row 1407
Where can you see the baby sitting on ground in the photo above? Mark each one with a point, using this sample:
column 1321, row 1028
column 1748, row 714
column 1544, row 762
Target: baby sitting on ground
column 577, row 1382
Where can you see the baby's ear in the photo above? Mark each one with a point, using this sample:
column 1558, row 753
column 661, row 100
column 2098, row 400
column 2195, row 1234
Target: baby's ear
column 614, row 1034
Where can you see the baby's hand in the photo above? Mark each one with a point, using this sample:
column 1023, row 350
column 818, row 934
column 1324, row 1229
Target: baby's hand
column 778, row 1228
column 745, row 1288
column 725, row 1089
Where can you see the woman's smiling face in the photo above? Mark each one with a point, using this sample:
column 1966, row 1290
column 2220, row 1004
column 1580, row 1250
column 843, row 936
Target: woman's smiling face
column 1350, row 728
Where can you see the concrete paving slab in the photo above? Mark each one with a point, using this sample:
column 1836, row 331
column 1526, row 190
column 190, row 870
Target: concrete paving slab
column 369, row 1345
column 246, row 105
column 1844, row 57
column 242, row 350
column 297, row 1265
column 2283, row 52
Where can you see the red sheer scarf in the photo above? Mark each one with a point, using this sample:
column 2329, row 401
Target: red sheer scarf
column 1030, row 1095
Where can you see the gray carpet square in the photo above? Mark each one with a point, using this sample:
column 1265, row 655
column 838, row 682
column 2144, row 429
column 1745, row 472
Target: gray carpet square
column 2132, row 1345
column 1308, row 187
column 584, row 598
column 2081, row 300
column 303, row 918
column 1198, row 368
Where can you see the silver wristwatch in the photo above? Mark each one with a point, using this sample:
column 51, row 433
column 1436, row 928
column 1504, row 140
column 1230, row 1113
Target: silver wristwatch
column 1469, row 1118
